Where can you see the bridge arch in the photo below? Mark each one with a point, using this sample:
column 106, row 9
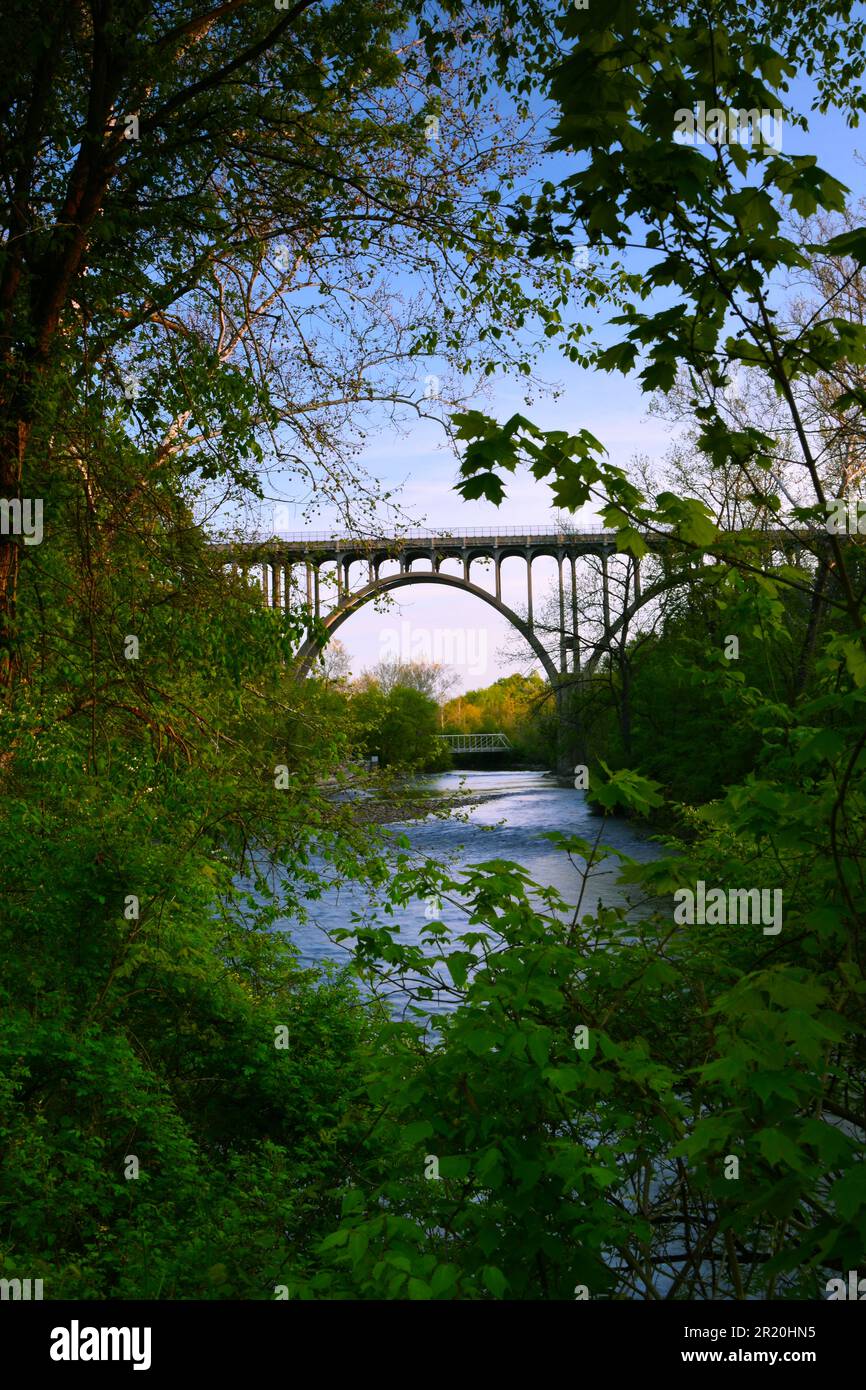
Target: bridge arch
column 311, row 648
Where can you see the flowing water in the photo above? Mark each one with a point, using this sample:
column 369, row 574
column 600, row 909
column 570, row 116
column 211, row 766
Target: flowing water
column 518, row 809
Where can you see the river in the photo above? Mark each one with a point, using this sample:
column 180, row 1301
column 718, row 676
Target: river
column 518, row 809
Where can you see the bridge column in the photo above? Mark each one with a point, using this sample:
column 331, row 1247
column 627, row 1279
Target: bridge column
column 564, row 690
column 605, row 594
column 563, row 657
column 529, row 589
column 277, row 589
column 570, row 731
column 575, row 634
column 497, row 561
column 287, row 586
column 316, row 590
column 309, row 570
column 466, row 566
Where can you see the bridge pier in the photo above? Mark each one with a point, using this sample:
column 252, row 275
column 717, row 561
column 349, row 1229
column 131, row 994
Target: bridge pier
column 575, row 635
column 565, row 759
column 563, row 652
column 605, row 595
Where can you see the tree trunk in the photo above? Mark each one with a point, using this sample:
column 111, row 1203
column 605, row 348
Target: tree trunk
column 12, row 449
column 807, row 650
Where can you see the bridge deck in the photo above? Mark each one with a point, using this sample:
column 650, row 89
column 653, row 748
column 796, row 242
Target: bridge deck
column 322, row 545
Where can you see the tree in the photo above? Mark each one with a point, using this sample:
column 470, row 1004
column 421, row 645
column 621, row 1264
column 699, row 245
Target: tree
column 428, row 677
column 336, row 663
column 408, row 731
column 193, row 197
column 398, row 726
column 519, row 706
column 187, row 190
column 710, row 218
column 650, row 1106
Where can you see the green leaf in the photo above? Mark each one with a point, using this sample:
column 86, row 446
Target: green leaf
column 495, row 1280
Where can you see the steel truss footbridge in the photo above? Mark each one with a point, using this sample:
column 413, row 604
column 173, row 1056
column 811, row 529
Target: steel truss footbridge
column 475, row 743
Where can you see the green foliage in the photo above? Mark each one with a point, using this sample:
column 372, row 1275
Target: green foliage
column 519, row 706
column 398, row 727
column 561, row 1163
column 142, row 987
column 572, row 1118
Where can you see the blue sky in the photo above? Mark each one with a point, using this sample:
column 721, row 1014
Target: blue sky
column 426, row 620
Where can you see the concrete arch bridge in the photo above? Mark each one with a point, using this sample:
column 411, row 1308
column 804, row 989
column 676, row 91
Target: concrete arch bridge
column 292, row 568
column 358, row 565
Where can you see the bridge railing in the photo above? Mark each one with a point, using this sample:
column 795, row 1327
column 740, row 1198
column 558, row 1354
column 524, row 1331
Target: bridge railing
column 440, row 533
column 574, row 531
